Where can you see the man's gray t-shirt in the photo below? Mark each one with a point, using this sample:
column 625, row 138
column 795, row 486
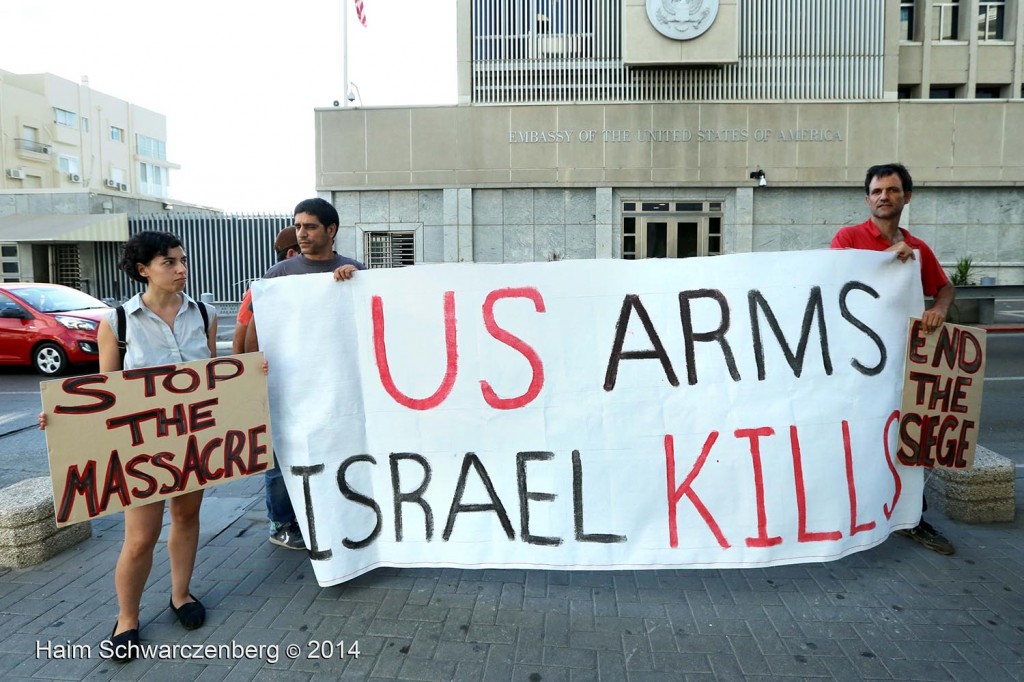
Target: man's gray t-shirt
column 300, row 265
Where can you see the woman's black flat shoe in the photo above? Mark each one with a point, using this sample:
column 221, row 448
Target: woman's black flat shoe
column 125, row 646
column 190, row 615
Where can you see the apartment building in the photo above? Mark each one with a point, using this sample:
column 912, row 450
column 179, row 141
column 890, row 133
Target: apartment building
column 679, row 128
column 75, row 163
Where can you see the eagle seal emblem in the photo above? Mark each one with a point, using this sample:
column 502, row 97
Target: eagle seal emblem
column 682, row 19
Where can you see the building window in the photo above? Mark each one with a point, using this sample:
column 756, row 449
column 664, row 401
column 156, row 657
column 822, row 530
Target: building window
column 9, row 262
column 68, row 164
column 907, row 20
column 942, row 92
column 389, row 249
column 153, row 180
column 988, row 92
column 63, row 117
column 116, row 134
column 946, row 21
column 85, row 124
column 151, row 147
column 990, row 19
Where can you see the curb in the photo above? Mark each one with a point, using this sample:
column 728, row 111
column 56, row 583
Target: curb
column 1002, row 328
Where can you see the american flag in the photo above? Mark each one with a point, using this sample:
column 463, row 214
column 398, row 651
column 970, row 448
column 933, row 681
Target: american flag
column 360, row 14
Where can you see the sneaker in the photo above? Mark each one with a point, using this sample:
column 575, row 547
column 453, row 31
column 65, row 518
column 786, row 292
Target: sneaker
column 925, row 534
column 288, row 536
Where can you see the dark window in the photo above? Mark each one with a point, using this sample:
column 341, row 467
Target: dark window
column 988, row 92
column 990, row 19
column 389, row 249
column 907, row 21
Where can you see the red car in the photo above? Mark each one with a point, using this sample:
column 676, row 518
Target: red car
column 48, row 326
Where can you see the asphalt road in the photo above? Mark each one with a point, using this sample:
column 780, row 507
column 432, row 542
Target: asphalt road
column 23, row 447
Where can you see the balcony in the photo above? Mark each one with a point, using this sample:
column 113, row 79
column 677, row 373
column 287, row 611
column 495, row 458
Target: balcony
column 31, row 146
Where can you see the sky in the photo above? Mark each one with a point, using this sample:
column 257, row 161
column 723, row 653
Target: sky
column 238, row 80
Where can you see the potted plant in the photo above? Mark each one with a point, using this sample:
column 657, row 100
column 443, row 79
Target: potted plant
column 963, row 311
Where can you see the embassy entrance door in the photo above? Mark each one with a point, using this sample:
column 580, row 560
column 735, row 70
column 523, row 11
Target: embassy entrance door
column 671, row 229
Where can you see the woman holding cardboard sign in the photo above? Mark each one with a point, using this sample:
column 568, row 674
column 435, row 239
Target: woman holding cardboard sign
column 160, row 326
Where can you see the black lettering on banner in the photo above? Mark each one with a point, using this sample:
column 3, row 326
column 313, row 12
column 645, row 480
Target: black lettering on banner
column 163, row 422
column 460, row 488
column 148, row 375
column 79, row 483
column 416, row 496
column 76, row 386
column 349, row 494
column 577, row 507
column 630, row 303
column 134, row 422
column 114, row 483
column 132, row 467
column 198, row 418
column 164, row 461
column 192, row 464
column 256, row 449
column 796, row 362
column 234, row 444
column 717, row 334
column 526, row 495
column 868, row 331
column 909, row 458
column 212, row 377
column 305, row 472
column 207, row 453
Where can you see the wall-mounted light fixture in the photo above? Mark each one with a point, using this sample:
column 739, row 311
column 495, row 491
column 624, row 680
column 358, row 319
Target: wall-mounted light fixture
column 762, row 179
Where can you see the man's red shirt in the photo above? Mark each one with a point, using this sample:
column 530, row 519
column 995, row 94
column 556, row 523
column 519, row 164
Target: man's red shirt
column 867, row 236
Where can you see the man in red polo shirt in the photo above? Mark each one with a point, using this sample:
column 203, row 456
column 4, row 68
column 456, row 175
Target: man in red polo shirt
column 887, row 189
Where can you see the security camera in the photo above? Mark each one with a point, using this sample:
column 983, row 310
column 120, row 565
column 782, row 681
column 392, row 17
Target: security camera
column 351, row 96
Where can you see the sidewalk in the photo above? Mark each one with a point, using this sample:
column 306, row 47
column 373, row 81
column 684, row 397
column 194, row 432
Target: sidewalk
column 896, row 612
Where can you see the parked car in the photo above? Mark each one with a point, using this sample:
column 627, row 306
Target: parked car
column 48, row 326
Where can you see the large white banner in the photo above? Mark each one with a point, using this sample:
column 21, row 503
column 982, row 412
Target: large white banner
column 711, row 412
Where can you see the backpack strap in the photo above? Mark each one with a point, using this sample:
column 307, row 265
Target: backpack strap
column 206, row 316
column 122, row 324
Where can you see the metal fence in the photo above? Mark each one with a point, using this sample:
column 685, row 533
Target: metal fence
column 225, row 252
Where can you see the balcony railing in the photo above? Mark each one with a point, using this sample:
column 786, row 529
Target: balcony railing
column 32, row 146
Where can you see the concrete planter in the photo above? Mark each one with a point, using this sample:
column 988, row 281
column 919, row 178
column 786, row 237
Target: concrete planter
column 964, row 311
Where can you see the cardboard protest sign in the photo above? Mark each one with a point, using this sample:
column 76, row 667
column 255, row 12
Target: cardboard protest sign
column 122, row 439
column 732, row 411
column 941, row 410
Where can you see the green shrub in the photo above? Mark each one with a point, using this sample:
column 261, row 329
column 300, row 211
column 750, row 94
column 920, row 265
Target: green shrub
column 962, row 273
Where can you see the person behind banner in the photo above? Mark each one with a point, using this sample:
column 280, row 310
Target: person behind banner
column 162, row 326
column 887, row 189
column 284, row 530
column 316, row 226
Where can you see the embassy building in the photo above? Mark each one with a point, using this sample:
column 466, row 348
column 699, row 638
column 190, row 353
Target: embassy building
column 680, row 128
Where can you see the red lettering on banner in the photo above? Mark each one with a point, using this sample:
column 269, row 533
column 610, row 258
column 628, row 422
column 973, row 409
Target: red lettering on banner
column 755, row 435
column 686, row 488
column 851, row 486
column 802, row 534
column 536, row 366
column 889, row 509
column 452, row 359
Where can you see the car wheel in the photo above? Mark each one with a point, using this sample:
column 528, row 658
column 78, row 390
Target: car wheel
column 49, row 359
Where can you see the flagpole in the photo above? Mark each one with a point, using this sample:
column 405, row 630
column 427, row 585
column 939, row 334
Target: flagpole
column 344, row 54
